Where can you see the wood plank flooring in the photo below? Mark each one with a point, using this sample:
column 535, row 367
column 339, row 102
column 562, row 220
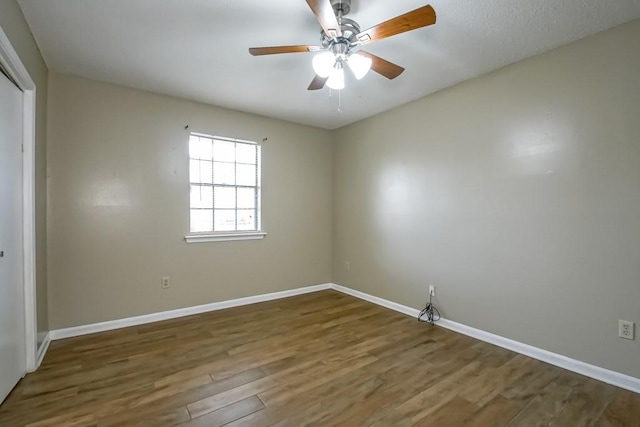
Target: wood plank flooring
column 321, row 359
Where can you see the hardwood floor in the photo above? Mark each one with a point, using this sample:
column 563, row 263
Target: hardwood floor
column 322, row 359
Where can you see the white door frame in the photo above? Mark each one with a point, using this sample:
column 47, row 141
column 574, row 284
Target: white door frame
column 12, row 64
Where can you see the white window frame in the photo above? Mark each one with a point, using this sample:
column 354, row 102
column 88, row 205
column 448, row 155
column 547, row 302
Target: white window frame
column 213, row 236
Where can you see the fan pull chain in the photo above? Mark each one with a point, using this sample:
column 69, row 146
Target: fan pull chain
column 339, row 99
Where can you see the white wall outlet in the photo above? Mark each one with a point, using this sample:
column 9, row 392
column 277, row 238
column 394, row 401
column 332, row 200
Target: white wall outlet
column 626, row 329
column 432, row 290
column 347, row 265
column 165, row 282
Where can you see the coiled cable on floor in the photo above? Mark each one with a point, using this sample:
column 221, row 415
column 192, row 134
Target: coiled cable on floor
column 430, row 313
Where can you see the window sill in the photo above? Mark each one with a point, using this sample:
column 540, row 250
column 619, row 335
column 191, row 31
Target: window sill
column 224, row 237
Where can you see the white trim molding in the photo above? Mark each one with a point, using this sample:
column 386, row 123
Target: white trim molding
column 42, row 350
column 601, row 374
column 18, row 73
column 224, row 237
column 596, row 372
column 378, row 301
column 180, row 312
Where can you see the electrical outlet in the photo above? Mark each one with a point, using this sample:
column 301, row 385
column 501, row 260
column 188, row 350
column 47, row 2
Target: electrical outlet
column 165, row 282
column 432, row 290
column 347, row 265
column 625, row 329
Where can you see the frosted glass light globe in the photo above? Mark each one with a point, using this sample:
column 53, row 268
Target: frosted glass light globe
column 323, row 63
column 336, row 79
column 360, row 65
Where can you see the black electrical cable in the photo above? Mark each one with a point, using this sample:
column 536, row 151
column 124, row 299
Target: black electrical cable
column 430, row 311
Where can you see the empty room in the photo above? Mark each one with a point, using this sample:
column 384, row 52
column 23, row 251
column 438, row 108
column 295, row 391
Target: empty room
column 319, row 213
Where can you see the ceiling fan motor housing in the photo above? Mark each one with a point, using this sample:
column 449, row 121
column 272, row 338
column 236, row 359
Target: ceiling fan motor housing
column 349, row 28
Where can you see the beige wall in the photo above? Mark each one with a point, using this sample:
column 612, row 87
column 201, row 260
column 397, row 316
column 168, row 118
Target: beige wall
column 16, row 29
column 517, row 194
column 119, row 198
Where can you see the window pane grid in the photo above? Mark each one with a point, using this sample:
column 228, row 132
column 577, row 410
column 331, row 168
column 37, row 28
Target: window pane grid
column 220, row 165
column 208, row 185
column 229, row 163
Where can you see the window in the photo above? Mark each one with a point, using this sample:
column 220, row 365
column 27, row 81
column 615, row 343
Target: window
column 224, row 176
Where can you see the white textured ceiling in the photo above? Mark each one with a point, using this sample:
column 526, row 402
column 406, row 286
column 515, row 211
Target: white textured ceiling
column 197, row 49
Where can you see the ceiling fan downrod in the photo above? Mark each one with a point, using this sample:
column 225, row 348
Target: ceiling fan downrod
column 341, row 44
column 341, row 7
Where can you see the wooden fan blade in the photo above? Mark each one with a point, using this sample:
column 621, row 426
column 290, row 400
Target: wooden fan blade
column 317, row 82
column 382, row 66
column 418, row 18
column 326, row 17
column 257, row 51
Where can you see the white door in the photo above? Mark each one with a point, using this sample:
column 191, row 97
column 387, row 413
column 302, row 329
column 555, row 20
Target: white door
column 12, row 317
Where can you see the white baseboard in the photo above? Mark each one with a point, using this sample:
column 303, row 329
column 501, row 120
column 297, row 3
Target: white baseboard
column 596, row 372
column 75, row 331
column 42, row 350
column 376, row 300
column 605, row 375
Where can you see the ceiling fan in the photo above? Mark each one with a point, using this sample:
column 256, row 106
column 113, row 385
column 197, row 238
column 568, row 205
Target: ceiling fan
column 341, row 37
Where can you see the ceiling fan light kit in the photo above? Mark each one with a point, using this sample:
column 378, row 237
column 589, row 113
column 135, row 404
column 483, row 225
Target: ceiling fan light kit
column 331, row 66
column 340, row 41
column 336, row 78
column 323, row 63
column 359, row 65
